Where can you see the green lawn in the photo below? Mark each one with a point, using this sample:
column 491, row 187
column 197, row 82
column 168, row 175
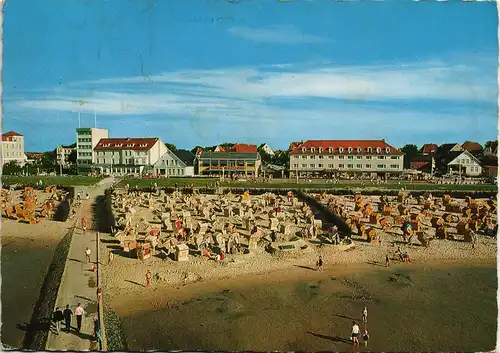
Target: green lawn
column 279, row 184
column 70, row 180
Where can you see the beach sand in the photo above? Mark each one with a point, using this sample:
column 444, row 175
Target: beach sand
column 439, row 305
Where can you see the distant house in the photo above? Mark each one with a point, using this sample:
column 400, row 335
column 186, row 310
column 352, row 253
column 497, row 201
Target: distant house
column 445, row 153
column 423, row 162
column 242, row 148
column 219, row 149
column 429, row 148
column 63, row 153
column 294, row 145
column 175, row 163
column 227, row 163
column 33, row 157
column 265, row 147
column 198, row 152
column 464, row 163
column 473, row 147
column 491, row 151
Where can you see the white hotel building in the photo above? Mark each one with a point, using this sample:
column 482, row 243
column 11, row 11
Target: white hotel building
column 125, row 156
column 86, row 140
column 13, row 148
column 325, row 158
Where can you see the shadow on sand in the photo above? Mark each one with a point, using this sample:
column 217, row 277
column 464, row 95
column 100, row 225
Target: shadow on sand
column 306, row 267
column 330, row 338
column 134, row 282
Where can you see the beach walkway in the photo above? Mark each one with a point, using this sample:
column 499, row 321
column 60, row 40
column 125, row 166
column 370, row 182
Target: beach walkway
column 79, row 282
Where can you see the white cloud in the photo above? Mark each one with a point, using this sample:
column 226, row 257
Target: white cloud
column 275, row 34
column 277, row 95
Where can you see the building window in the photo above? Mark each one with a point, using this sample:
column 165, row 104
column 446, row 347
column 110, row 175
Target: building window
column 304, row 165
column 313, row 165
column 394, row 166
column 295, row 166
column 350, row 157
column 320, row 157
column 304, row 157
column 394, row 157
column 349, row 166
column 359, row 157
column 368, row 157
column 359, row 166
column 312, row 149
column 368, row 166
column 320, row 149
column 330, row 150
column 341, row 157
column 387, row 150
column 349, row 150
column 381, row 157
column 380, row 166
column 369, row 149
column 341, row 166
column 320, row 165
column 311, row 157
column 378, row 149
column 303, row 149
column 330, row 166
column 341, row 149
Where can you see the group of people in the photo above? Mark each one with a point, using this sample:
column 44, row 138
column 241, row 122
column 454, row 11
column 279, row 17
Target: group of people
column 356, row 332
column 60, row 316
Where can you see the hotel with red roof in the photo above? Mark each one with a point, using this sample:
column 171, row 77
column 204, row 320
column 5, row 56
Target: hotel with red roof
column 13, row 148
column 326, row 158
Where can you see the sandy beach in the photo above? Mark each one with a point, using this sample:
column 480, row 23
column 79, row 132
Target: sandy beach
column 270, row 303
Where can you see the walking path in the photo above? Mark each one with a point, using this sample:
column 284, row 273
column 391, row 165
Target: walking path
column 79, row 282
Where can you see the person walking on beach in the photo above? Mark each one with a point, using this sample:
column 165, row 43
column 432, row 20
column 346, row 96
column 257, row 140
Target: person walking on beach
column 58, row 317
column 366, row 337
column 110, row 257
column 99, row 294
column 319, row 264
column 355, row 333
column 148, row 278
column 386, row 260
column 79, row 312
column 364, row 315
column 67, row 317
column 87, row 255
column 84, row 224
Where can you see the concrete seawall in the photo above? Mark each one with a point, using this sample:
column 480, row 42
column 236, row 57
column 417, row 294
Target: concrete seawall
column 36, row 336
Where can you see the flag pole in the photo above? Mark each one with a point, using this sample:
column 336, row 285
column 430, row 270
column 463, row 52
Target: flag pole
column 95, row 119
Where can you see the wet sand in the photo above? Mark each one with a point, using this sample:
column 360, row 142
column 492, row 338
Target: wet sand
column 27, row 252
column 438, row 306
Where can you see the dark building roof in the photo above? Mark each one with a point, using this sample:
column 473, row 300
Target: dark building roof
column 186, row 157
column 230, row 155
column 138, row 144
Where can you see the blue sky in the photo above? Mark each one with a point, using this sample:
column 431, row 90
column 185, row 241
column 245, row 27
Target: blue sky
column 204, row 72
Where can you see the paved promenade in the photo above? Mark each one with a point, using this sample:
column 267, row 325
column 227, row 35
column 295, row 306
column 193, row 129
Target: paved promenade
column 79, row 282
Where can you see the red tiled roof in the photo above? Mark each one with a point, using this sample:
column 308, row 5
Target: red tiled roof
column 429, row 148
column 138, row 144
column 199, row 150
column 34, row 155
column 11, row 133
column 294, row 145
column 243, row 147
column 219, row 149
column 345, row 144
column 472, row 147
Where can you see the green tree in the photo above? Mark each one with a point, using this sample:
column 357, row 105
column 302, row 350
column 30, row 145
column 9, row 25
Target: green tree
column 492, row 144
column 171, row 147
column 11, row 168
column 72, row 157
column 410, row 152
